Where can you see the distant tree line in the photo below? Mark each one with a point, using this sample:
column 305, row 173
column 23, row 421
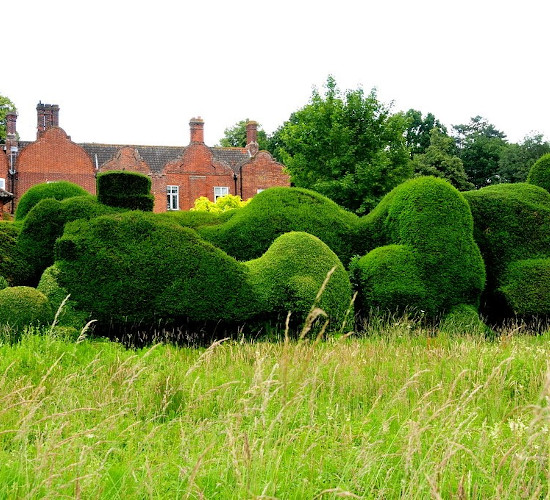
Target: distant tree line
column 354, row 149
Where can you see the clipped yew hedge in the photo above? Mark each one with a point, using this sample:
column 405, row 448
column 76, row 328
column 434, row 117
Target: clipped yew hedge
column 44, row 224
column 22, row 306
column 12, row 263
column 539, row 174
column 422, row 251
column 59, row 190
column 129, row 190
column 291, row 273
column 252, row 229
column 512, row 229
column 134, row 269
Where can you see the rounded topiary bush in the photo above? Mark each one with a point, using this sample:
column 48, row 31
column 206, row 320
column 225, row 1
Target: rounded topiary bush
column 464, row 320
column 12, row 262
column 539, row 175
column 59, row 190
column 512, row 224
column 133, row 268
column 130, row 190
column 421, row 250
column 291, row 273
column 21, row 306
column 44, row 224
column 3, row 283
column 252, row 229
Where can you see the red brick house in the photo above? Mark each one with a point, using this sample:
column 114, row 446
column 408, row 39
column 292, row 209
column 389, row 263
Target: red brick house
column 179, row 174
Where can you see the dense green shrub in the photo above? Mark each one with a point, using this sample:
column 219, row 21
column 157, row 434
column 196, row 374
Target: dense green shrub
column 464, row 320
column 539, row 175
column 130, row 190
column 3, row 283
column 44, row 224
column 275, row 211
column 134, row 268
column 422, row 252
column 21, row 306
column 290, row 274
column 512, row 224
column 59, row 298
column 59, row 190
column 193, row 219
column 12, row 263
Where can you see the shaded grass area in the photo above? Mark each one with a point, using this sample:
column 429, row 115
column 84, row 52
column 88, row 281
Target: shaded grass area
column 399, row 413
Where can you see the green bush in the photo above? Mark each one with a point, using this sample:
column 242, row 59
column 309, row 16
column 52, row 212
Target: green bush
column 252, row 229
column 21, row 306
column 133, row 268
column 512, row 225
column 59, row 299
column 44, row 224
column 193, row 219
column 463, row 320
column 539, row 175
column 290, row 274
column 421, row 251
column 59, row 190
column 130, row 190
column 12, row 262
column 3, row 283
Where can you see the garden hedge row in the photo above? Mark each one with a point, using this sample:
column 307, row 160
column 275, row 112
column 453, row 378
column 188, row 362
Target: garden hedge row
column 129, row 190
column 539, row 174
column 22, row 306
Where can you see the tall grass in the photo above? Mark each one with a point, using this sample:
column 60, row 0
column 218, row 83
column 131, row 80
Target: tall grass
column 398, row 413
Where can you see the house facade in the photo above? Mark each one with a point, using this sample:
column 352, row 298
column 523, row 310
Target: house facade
column 179, row 174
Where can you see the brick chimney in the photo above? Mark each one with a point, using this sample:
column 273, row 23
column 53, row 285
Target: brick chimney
column 11, row 125
column 47, row 115
column 197, row 130
column 252, row 138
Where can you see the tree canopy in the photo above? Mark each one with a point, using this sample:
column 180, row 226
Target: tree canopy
column 517, row 159
column 345, row 145
column 418, row 134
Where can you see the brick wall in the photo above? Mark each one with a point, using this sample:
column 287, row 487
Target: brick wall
column 261, row 172
column 127, row 158
column 54, row 157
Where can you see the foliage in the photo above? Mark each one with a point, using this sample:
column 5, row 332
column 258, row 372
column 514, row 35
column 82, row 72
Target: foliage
column 222, row 204
column 464, row 319
column 438, row 160
column 423, row 254
column 517, row 159
column 511, row 225
column 6, row 106
column 275, row 211
column 480, row 146
column 419, row 131
column 12, row 263
column 59, row 190
column 235, row 136
column 3, row 282
column 129, row 190
column 21, row 306
column 290, row 274
column 539, row 175
column 44, row 224
column 347, row 146
column 134, row 269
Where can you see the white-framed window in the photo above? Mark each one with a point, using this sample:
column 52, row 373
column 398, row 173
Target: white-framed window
column 220, row 191
column 172, row 197
column 2, row 183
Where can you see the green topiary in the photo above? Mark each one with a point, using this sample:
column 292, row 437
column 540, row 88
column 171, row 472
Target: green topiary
column 252, row 229
column 3, row 283
column 21, row 306
column 12, row 262
column 130, row 190
column 464, row 319
column 427, row 257
column 44, row 224
column 539, row 175
column 512, row 225
column 290, row 274
column 132, row 268
column 59, row 190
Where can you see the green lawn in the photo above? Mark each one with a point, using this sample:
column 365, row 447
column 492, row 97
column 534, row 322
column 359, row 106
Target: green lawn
column 397, row 414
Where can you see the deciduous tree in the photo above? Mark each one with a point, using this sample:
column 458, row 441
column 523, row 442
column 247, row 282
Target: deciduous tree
column 6, row 106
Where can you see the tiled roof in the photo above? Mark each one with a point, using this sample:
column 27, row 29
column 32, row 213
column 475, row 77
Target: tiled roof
column 234, row 157
column 155, row 156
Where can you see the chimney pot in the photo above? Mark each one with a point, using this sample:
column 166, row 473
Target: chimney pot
column 197, row 130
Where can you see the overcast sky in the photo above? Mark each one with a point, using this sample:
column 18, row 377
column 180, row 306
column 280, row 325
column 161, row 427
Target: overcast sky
column 135, row 72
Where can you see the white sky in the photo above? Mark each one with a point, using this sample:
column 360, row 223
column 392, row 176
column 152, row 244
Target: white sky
column 135, row 72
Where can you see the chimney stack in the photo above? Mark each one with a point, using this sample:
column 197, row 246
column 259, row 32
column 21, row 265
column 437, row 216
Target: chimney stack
column 251, row 132
column 197, row 130
column 47, row 115
column 11, row 125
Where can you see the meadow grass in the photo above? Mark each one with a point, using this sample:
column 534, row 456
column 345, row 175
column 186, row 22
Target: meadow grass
column 398, row 412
